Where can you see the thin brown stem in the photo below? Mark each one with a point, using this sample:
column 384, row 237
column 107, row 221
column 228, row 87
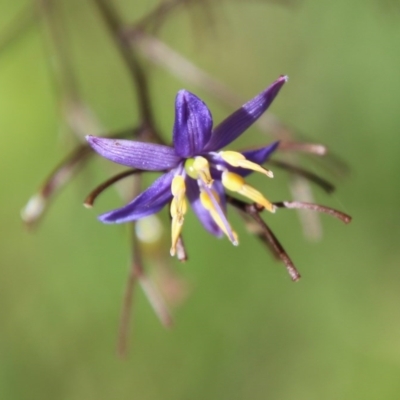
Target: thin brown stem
column 138, row 76
column 90, row 199
column 59, row 177
column 254, row 228
column 315, row 207
column 135, row 271
column 304, row 147
column 277, row 246
column 321, row 182
column 266, row 234
column 136, row 274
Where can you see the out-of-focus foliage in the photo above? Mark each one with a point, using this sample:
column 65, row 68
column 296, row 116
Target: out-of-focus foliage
column 245, row 331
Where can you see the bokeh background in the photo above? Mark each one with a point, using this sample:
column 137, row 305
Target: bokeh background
column 245, row 331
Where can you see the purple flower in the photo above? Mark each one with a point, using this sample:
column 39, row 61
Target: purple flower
column 195, row 167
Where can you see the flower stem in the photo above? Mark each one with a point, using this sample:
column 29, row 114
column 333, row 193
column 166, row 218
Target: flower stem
column 266, row 235
column 324, row 184
column 138, row 75
column 90, row 199
column 315, row 207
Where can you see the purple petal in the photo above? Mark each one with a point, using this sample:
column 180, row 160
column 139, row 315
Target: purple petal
column 146, row 156
column 152, row 200
column 193, row 193
column 258, row 156
column 233, row 126
column 193, row 124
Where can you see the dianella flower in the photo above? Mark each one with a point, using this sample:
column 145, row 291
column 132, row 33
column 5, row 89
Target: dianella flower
column 197, row 167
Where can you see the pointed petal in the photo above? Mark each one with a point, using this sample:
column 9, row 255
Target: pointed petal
column 146, row 156
column 152, row 200
column 193, row 124
column 193, row 194
column 233, row 126
column 258, row 156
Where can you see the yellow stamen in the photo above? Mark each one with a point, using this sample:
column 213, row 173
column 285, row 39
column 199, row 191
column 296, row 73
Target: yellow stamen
column 178, row 210
column 239, row 160
column 237, row 184
column 178, row 187
column 209, row 206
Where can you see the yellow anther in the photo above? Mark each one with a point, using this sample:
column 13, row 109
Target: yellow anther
column 206, row 201
column 178, row 209
column 215, row 215
column 239, row 160
column 201, row 166
column 178, row 186
column 237, row 184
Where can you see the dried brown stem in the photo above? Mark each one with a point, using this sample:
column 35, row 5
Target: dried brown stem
column 277, row 246
column 315, row 207
column 266, row 234
column 135, row 270
column 324, row 184
column 136, row 274
column 59, row 177
column 114, row 25
column 90, row 199
column 310, row 148
column 52, row 185
column 254, row 228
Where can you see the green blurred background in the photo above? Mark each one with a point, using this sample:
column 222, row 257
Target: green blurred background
column 245, row 331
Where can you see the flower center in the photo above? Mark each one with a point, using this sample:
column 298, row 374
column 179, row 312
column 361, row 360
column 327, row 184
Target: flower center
column 199, row 168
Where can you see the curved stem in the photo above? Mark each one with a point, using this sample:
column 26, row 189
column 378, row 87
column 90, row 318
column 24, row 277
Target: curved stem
column 266, row 235
column 59, row 177
column 321, row 182
column 90, row 199
column 299, row 205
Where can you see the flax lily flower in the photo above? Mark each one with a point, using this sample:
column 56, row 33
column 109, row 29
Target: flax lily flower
column 195, row 167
